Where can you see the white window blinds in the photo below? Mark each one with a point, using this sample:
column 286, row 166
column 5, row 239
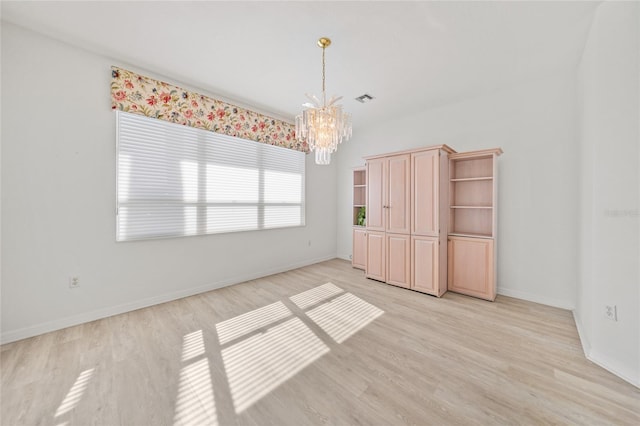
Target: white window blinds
column 177, row 180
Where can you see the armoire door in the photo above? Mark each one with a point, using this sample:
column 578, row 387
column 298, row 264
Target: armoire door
column 398, row 259
column 376, row 256
column 471, row 267
column 425, row 193
column 424, row 265
column 359, row 256
column 399, row 194
column 376, row 194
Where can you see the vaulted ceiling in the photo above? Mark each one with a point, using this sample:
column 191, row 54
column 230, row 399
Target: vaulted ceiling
column 409, row 55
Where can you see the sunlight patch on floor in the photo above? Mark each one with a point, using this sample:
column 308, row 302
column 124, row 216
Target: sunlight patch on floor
column 251, row 321
column 75, row 393
column 344, row 316
column 195, row 404
column 315, row 295
column 192, row 345
column 262, row 362
column 264, row 348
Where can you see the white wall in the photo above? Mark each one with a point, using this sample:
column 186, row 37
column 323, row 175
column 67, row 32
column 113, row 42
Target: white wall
column 538, row 188
column 609, row 233
column 58, row 204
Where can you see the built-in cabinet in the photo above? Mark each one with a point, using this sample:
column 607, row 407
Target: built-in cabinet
column 407, row 204
column 472, row 247
column 359, row 252
column 431, row 220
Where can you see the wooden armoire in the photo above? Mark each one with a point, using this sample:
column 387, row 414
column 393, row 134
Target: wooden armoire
column 407, row 213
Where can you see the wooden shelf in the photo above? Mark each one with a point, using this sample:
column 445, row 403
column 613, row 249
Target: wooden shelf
column 359, row 177
column 358, row 205
column 469, row 234
column 471, row 179
column 471, row 168
column 359, row 186
column 471, row 207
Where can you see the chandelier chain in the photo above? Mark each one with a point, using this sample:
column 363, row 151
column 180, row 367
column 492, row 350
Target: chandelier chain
column 324, row 95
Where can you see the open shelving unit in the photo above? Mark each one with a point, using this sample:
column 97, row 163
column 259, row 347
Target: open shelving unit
column 472, row 241
column 472, row 196
column 359, row 253
column 359, row 192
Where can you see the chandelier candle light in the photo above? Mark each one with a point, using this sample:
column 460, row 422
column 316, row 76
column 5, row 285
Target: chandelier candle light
column 323, row 125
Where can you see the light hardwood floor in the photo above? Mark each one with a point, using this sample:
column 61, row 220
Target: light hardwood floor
column 317, row 345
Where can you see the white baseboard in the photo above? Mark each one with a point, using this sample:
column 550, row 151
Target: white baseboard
column 46, row 327
column 557, row 303
column 604, row 362
column 586, row 346
column 600, row 359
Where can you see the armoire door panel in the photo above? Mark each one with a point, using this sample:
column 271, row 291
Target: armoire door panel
column 424, row 262
column 399, row 258
column 399, row 194
column 425, row 193
column 376, row 256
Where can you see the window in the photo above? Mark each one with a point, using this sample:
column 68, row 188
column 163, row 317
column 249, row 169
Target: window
column 177, row 180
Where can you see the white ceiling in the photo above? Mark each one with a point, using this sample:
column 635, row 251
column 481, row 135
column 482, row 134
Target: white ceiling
column 409, row 55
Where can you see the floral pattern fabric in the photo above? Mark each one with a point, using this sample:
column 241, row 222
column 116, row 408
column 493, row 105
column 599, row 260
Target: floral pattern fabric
column 137, row 94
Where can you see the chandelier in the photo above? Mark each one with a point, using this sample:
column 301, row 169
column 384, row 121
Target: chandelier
column 323, row 125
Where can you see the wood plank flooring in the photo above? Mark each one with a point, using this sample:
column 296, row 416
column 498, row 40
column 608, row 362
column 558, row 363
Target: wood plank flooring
column 314, row 346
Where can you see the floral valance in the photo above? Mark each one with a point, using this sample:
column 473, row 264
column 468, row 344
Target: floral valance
column 138, row 94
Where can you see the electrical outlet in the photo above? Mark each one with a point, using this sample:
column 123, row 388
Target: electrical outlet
column 611, row 312
column 309, row 243
column 74, row 281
